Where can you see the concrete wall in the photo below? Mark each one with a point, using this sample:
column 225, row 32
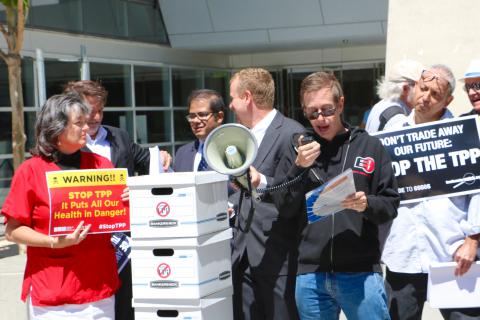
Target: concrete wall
column 67, row 46
column 310, row 57
column 435, row 31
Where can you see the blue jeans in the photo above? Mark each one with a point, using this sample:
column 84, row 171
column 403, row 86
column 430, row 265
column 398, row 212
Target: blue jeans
column 361, row 295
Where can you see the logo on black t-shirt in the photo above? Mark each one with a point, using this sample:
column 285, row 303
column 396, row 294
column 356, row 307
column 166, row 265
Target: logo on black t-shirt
column 366, row 164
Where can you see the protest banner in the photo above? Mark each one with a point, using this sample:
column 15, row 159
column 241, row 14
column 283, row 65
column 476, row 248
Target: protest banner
column 92, row 196
column 437, row 159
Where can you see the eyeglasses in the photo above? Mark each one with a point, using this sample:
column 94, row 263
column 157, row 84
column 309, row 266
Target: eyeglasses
column 327, row 112
column 202, row 116
column 428, row 76
column 475, row 86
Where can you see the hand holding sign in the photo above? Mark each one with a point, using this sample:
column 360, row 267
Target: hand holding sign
column 71, row 239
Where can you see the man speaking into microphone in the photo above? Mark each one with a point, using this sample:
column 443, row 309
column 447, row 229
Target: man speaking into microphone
column 339, row 254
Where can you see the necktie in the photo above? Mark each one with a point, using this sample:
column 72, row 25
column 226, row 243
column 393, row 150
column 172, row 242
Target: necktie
column 202, row 166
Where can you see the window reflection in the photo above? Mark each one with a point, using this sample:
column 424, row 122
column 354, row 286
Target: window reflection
column 183, row 132
column 184, row 81
column 27, row 83
column 153, row 126
column 116, row 79
column 128, row 19
column 119, row 119
column 152, row 87
column 58, row 74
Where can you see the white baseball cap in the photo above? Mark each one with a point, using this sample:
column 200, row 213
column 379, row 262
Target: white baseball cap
column 405, row 70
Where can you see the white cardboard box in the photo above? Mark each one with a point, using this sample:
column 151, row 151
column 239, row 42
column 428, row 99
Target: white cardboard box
column 205, row 309
column 182, row 204
column 181, row 268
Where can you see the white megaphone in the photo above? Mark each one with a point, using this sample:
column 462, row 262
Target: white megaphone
column 230, row 149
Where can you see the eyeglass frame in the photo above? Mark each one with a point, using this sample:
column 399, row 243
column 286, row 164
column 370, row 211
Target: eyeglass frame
column 312, row 116
column 474, row 85
column 194, row 115
column 435, row 76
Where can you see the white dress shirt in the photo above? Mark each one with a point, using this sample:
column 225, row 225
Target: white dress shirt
column 198, row 156
column 259, row 131
column 100, row 145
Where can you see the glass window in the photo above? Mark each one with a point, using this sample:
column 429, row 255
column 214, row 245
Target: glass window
column 183, row 132
column 6, row 134
column 145, row 22
column 220, row 82
column 106, row 17
column 30, row 120
column 152, row 87
column 119, row 119
column 6, row 174
column 58, row 74
column 116, row 79
column 359, row 91
column 138, row 20
column 184, row 81
column 60, row 15
column 27, row 83
column 153, row 126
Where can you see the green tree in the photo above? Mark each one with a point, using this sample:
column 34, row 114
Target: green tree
column 13, row 31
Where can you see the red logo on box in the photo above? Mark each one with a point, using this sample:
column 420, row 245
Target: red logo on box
column 163, row 209
column 163, row 270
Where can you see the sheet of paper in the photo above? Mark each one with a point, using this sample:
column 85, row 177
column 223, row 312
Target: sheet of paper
column 156, row 161
column 326, row 199
column 445, row 290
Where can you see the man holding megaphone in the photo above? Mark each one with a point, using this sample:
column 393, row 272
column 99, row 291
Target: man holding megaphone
column 264, row 244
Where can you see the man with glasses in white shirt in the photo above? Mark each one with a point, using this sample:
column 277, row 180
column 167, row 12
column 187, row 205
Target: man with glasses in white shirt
column 438, row 230
column 205, row 113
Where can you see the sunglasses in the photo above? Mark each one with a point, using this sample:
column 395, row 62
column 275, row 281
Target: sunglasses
column 202, row 116
column 327, row 112
column 475, row 86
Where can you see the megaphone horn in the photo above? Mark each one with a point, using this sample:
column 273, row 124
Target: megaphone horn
column 230, row 149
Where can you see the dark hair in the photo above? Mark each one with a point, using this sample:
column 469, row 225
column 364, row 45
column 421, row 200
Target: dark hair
column 53, row 119
column 87, row 88
column 213, row 97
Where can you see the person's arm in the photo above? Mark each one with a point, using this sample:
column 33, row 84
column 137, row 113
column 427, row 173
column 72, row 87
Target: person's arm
column 22, row 234
column 382, row 205
column 466, row 254
column 290, row 200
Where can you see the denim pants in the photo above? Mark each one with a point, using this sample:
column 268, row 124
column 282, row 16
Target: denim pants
column 361, row 295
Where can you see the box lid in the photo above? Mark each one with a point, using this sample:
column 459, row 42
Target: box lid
column 199, row 241
column 183, row 303
column 175, row 178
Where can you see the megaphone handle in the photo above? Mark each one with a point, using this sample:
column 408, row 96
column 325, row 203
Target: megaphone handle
column 251, row 189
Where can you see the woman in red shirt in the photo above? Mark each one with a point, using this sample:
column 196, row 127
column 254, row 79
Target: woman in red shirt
column 73, row 275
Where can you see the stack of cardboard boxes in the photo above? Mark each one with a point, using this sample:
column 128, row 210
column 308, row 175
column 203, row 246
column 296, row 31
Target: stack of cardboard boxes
column 181, row 267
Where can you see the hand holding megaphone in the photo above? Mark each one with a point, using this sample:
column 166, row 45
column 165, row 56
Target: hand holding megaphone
column 231, row 149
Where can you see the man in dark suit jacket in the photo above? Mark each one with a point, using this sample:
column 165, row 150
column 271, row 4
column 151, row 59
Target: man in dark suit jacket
column 264, row 244
column 205, row 113
column 114, row 144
